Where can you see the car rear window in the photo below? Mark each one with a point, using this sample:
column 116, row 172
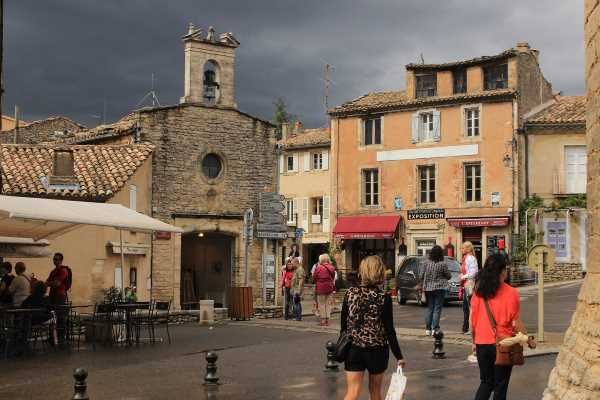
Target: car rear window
column 453, row 266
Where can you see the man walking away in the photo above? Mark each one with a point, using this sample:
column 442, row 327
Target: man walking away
column 59, row 283
column 297, row 288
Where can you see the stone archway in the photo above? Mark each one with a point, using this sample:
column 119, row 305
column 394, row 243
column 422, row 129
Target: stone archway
column 577, row 371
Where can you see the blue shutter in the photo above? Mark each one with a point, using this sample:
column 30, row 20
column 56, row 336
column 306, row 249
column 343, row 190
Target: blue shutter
column 415, row 127
column 436, row 126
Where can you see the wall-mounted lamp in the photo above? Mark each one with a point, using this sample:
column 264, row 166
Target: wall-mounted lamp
column 201, row 234
column 507, row 160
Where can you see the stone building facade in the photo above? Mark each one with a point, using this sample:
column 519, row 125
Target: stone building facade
column 44, row 131
column 577, row 371
column 210, row 163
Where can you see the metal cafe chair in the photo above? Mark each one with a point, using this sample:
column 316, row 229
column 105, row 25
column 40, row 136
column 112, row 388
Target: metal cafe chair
column 162, row 312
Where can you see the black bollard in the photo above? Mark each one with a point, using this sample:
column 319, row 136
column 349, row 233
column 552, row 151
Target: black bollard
column 211, row 377
column 438, row 345
column 331, row 363
column 80, row 376
column 212, row 392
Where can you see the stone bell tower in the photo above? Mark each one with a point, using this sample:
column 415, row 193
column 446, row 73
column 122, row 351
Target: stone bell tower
column 209, row 67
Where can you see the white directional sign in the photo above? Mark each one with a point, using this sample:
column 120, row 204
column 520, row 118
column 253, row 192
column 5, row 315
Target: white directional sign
column 272, row 235
column 276, row 218
column 271, row 208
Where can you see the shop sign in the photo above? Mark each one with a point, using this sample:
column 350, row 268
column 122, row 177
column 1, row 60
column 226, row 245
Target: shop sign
column 427, row 213
column 162, row 235
column 477, row 222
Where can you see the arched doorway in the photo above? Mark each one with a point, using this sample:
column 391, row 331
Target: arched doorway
column 206, row 259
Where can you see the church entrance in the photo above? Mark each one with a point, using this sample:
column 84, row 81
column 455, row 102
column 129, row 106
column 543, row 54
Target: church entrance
column 206, row 260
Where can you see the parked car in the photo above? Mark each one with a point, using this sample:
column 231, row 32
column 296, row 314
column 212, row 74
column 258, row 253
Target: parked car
column 407, row 279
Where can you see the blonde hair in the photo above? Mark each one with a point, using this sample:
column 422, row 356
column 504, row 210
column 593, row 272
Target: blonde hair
column 470, row 247
column 324, row 258
column 296, row 262
column 371, row 271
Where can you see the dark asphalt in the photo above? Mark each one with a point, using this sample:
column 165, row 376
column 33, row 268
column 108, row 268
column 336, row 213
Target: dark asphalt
column 559, row 307
column 254, row 363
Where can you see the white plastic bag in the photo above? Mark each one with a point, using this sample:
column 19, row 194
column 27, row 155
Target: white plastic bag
column 397, row 385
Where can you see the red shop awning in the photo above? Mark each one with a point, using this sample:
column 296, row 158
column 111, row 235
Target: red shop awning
column 476, row 222
column 366, row 227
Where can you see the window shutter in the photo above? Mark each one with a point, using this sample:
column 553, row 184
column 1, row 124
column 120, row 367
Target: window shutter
column 305, row 210
column 325, row 159
column 436, row 126
column 325, row 214
column 415, row 127
column 295, row 211
column 281, row 164
column 295, row 156
column 133, row 197
column 307, row 161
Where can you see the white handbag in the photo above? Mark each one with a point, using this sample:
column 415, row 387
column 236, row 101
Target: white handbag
column 397, row 385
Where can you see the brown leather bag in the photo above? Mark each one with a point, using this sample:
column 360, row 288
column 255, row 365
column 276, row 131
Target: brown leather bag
column 505, row 355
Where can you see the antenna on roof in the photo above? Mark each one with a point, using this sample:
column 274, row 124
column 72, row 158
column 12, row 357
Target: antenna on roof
column 328, row 83
column 422, row 59
column 151, row 94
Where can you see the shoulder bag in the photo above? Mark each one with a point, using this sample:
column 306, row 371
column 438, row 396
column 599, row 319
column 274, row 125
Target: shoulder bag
column 342, row 346
column 505, row 355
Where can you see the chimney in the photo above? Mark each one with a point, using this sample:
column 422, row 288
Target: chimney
column 63, row 167
column 284, row 130
column 522, row 47
column 297, row 127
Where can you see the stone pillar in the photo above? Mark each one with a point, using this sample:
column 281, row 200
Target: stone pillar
column 577, row 371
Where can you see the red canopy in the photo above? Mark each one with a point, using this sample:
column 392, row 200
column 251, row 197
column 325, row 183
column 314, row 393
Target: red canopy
column 366, row 227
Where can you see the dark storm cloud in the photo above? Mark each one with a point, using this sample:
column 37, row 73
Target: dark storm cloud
column 67, row 57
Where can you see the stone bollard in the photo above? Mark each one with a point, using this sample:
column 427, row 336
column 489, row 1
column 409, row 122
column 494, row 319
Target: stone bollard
column 80, row 376
column 438, row 345
column 211, row 377
column 331, row 365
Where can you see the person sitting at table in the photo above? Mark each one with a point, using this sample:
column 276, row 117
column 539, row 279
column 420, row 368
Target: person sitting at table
column 38, row 299
column 20, row 288
column 5, row 282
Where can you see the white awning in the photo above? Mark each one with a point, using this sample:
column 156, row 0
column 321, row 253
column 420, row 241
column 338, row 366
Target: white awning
column 38, row 218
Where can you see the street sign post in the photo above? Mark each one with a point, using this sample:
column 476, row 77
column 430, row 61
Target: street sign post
column 540, row 258
column 271, row 226
column 248, row 231
column 271, row 235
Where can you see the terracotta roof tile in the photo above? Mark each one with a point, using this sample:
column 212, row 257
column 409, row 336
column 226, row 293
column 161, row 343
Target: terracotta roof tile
column 391, row 101
column 307, row 138
column 565, row 110
column 100, row 170
column 464, row 63
column 124, row 126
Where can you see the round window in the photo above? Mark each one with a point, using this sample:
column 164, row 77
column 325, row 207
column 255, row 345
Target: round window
column 211, row 166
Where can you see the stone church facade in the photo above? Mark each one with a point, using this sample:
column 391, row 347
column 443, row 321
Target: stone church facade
column 209, row 165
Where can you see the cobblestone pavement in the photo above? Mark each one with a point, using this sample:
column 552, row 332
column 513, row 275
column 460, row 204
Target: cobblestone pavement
column 254, row 363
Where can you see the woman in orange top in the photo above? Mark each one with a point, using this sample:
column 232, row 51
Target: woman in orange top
column 505, row 305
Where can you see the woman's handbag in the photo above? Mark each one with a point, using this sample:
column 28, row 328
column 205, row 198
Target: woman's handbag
column 505, row 355
column 342, row 346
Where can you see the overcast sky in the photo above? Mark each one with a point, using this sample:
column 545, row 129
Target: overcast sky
column 66, row 57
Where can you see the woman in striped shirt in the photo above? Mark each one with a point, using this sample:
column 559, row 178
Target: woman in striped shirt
column 434, row 275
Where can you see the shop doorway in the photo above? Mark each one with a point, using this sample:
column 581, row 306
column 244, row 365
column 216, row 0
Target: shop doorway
column 312, row 253
column 367, row 247
column 474, row 235
column 206, row 260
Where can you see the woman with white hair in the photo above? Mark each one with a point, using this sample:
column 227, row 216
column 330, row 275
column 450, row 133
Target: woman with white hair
column 324, row 276
column 468, row 272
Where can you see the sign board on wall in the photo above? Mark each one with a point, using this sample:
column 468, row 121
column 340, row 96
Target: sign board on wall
column 495, row 199
column 555, row 233
column 427, row 213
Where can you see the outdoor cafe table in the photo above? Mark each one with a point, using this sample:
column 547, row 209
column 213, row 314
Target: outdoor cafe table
column 129, row 309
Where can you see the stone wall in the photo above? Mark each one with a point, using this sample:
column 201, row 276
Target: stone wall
column 534, row 89
column 577, row 371
column 184, row 196
column 47, row 130
column 563, row 272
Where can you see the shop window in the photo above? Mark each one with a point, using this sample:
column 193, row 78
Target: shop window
column 427, row 184
column 370, row 178
column 473, row 182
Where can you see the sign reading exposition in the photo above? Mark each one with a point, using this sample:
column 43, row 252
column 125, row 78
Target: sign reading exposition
column 427, row 213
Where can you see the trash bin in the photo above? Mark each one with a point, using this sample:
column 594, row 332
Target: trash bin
column 242, row 307
column 207, row 312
